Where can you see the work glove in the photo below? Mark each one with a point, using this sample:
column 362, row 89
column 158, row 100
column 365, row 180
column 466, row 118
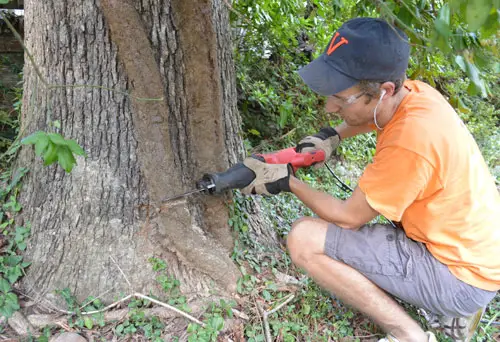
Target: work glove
column 327, row 139
column 270, row 179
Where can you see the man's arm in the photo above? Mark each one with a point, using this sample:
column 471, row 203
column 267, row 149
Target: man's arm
column 346, row 131
column 351, row 213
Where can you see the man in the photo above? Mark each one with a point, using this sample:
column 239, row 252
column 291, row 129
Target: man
column 427, row 174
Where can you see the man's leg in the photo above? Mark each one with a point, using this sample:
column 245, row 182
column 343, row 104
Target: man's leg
column 306, row 243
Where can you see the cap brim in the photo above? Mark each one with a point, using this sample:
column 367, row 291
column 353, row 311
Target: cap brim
column 324, row 79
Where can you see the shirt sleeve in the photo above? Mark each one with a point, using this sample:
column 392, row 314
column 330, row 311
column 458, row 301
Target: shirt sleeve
column 396, row 178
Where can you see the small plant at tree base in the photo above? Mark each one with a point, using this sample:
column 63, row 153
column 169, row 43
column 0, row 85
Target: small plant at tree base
column 80, row 319
column 137, row 322
column 214, row 322
column 169, row 284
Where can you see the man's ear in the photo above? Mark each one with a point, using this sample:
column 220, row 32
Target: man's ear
column 389, row 88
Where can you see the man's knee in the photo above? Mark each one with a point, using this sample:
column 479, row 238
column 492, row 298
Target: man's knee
column 306, row 238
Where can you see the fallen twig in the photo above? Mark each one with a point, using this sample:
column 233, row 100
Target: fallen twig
column 265, row 314
column 140, row 295
column 93, row 300
column 367, row 336
column 121, row 271
column 267, row 330
column 137, row 295
column 40, row 321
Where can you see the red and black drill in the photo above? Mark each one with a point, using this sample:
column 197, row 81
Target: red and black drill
column 239, row 176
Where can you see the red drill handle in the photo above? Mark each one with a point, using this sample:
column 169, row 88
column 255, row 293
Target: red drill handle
column 290, row 155
column 239, row 176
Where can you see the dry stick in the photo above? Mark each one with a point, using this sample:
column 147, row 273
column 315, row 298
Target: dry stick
column 267, row 330
column 140, row 295
column 367, row 336
column 137, row 295
column 93, row 300
column 121, row 271
column 265, row 314
column 110, row 306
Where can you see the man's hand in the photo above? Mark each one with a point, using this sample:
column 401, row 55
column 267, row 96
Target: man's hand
column 270, row 179
column 327, row 139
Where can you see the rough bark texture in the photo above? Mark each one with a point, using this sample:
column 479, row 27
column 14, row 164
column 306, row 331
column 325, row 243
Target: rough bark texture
column 149, row 93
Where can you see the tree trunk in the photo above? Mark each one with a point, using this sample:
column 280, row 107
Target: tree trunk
column 147, row 88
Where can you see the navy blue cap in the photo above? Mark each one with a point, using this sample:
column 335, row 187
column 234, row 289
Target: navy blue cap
column 362, row 49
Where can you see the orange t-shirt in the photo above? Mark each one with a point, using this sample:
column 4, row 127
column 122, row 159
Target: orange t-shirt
column 429, row 174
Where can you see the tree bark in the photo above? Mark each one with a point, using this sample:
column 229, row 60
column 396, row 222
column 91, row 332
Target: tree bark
column 147, row 88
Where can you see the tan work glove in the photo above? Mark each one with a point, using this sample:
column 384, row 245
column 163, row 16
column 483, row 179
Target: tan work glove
column 270, row 179
column 327, row 139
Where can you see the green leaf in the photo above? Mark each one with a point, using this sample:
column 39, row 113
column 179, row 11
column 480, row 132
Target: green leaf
column 119, row 328
column 8, row 304
column 192, row 327
column 75, row 148
column 405, row 16
column 57, row 124
column 12, row 260
column 217, row 323
column 477, row 83
column 41, row 144
column 50, row 155
column 65, row 158
column 490, row 27
column 462, row 107
column 442, row 23
column 254, row 132
column 13, row 274
column 283, row 118
column 89, row 324
column 57, row 139
column 4, row 285
column 33, row 138
column 460, row 60
column 477, row 13
column 4, row 2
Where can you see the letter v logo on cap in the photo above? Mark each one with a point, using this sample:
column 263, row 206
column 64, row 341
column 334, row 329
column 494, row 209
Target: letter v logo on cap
column 334, row 46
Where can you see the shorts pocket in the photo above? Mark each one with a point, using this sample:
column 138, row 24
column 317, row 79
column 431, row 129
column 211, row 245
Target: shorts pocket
column 373, row 250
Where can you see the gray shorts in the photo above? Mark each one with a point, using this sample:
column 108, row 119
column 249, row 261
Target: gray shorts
column 405, row 269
